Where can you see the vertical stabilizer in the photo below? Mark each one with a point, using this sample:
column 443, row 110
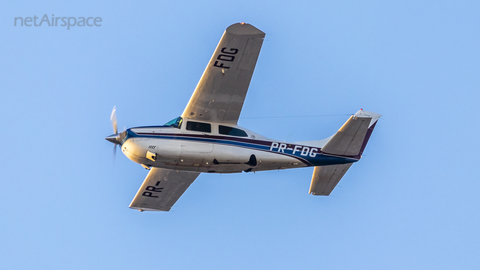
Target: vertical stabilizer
column 351, row 139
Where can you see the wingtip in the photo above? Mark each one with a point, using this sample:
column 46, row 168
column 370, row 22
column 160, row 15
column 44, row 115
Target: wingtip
column 244, row 29
column 362, row 113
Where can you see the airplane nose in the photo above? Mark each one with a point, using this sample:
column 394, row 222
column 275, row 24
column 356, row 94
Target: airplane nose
column 115, row 139
column 133, row 150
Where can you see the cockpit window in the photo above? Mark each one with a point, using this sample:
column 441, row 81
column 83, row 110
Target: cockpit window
column 197, row 126
column 176, row 123
column 231, row 131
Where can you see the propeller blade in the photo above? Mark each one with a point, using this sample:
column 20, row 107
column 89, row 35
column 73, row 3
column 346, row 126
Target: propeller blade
column 113, row 119
column 114, row 153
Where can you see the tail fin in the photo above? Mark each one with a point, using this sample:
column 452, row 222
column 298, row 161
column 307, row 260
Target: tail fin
column 351, row 139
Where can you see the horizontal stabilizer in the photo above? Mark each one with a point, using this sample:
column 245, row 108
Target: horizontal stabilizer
column 352, row 137
column 325, row 178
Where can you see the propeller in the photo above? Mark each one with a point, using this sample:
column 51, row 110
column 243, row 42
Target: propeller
column 115, row 138
column 113, row 119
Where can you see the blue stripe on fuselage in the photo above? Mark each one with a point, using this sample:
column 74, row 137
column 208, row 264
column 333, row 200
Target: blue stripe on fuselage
column 319, row 159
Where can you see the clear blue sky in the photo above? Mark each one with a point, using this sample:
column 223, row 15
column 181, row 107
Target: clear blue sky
column 411, row 203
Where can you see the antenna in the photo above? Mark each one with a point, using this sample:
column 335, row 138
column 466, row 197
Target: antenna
column 288, row 137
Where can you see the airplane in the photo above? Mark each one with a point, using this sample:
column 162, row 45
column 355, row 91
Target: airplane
column 207, row 139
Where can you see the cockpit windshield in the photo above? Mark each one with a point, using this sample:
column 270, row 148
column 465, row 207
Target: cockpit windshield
column 176, row 123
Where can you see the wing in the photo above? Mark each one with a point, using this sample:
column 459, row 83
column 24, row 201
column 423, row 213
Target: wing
column 221, row 91
column 161, row 189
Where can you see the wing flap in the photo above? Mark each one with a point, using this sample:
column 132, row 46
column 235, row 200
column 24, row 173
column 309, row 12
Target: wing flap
column 161, row 189
column 326, row 178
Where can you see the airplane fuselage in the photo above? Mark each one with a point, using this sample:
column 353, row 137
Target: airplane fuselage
column 181, row 148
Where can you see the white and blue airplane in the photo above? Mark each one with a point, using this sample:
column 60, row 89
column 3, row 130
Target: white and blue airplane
column 207, row 139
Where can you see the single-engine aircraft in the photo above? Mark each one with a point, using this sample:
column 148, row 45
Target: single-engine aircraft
column 207, row 139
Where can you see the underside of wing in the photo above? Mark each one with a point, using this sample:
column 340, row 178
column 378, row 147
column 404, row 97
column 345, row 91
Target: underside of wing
column 221, row 91
column 161, row 189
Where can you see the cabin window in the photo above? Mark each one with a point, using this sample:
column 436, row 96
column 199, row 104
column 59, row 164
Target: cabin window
column 176, row 123
column 231, row 131
column 197, row 126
